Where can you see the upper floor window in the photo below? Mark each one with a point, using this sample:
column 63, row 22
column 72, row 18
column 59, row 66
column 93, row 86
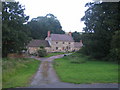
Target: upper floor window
column 63, row 42
column 69, row 42
column 56, row 42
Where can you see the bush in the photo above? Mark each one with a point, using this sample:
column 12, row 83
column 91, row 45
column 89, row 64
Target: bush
column 42, row 53
column 34, row 54
column 84, row 51
column 115, row 47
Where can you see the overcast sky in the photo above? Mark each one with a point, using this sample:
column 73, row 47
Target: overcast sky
column 68, row 12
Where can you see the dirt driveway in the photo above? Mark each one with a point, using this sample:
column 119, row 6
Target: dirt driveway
column 47, row 78
column 46, row 74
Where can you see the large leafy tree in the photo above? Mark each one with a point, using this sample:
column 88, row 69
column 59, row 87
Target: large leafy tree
column 76, row 36
column 101, row 20
column 14, row 31
column 115, row 47
column 40, row 25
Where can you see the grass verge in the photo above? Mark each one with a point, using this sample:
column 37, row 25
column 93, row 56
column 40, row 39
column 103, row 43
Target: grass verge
column 90, row 71
column 18, row 72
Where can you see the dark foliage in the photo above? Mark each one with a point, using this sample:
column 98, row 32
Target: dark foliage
column 76, row 36
column 42, row 52
column 41, row 25
column 101, row 20
column 14, row 31
column 115, row 47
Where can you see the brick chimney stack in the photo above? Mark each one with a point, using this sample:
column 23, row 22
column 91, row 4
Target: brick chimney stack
column 70, row 34
column 48, row 34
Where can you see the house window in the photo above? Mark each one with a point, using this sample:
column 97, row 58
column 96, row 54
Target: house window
column 63, row 42
column 56, row 42
column 56, row 48
column 69, row 42
column 67, row 47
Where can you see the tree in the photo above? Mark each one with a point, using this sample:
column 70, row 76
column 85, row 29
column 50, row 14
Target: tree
column 76, row 36
column 115, row 47
column 41, row 25
column 101, row 20
column 14, row 31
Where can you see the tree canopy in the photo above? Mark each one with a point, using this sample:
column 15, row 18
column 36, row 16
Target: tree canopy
column 76, row 36
column 101, row 20
column 14, row 31
column 41, row 25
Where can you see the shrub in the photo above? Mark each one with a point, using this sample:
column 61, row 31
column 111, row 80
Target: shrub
column 115, row 47
column 42, row 53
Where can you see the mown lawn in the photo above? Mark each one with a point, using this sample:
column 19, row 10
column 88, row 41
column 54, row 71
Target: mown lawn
column 88, row 71
column 55, row 53
column 18, row 72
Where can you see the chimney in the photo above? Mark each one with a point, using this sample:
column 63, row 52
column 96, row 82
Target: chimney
column 81, row 43
column 70, row 34
column 48, row 34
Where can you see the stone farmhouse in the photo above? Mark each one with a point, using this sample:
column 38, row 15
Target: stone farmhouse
column 55, row 43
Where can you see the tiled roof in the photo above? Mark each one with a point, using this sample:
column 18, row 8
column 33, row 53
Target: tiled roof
column 38, row 43
column 78, row 45
column 61, row 37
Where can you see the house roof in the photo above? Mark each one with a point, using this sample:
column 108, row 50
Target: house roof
column 78, row 45
column 38, row 43
column 61, row 37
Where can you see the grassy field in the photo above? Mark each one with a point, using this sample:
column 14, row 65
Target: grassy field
column 0, row 73
column 55, row 53
column 18, row 72
column 86, row 70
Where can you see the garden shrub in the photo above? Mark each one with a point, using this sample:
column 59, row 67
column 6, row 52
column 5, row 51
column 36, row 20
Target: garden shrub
column 115, row 47
column 42, row 53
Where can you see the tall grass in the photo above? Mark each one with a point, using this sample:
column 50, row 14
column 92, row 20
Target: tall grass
column 18, row 72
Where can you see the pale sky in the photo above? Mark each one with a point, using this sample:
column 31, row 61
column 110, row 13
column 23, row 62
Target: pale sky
column 68, row 12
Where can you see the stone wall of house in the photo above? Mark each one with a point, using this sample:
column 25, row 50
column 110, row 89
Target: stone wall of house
column 32, row 50
column 48, row 49
column 61, row 46
column 76, row 49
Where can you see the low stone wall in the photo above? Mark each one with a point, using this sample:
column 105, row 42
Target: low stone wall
column 16, row 55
